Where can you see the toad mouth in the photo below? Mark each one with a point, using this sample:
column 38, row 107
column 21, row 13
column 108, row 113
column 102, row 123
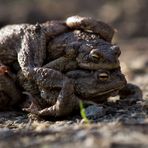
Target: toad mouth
column 93, row 66
column 113, row 92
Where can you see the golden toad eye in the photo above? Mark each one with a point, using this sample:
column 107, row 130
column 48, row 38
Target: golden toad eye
column 103, row 76
column 94, row 54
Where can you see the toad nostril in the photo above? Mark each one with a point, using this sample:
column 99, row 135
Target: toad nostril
column 117, row 50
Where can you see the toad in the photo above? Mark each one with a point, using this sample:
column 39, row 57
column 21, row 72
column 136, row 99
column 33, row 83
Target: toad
column 95, row 86
column 79, row 49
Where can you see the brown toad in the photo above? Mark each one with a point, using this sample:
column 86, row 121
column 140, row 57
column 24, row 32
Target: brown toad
column 95, row 86
column 79, row 49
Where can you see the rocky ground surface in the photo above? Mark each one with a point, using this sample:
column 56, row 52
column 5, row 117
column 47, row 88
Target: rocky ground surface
column 115, row 124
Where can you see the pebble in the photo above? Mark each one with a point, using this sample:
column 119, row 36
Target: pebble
column 94, row 111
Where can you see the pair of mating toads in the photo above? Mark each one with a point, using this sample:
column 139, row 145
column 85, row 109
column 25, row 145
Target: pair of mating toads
column 58, row 63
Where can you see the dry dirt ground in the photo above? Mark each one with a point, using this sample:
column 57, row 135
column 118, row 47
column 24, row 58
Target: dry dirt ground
column 122, row 125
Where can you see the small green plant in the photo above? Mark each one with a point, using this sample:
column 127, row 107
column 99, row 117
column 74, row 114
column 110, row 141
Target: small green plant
column 83, row 113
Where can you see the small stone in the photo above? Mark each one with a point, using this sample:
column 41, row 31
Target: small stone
column 94, row 111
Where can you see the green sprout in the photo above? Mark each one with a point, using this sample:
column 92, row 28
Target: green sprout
column 83, row 113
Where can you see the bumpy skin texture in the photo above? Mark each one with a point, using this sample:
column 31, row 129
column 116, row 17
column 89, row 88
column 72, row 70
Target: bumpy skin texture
column 24, row 46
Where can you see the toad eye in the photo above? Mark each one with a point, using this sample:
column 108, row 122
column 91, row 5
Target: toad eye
column 94, row 54
column 103, row 76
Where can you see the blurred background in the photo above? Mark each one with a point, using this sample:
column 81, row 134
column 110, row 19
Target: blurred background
column 128, row 17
